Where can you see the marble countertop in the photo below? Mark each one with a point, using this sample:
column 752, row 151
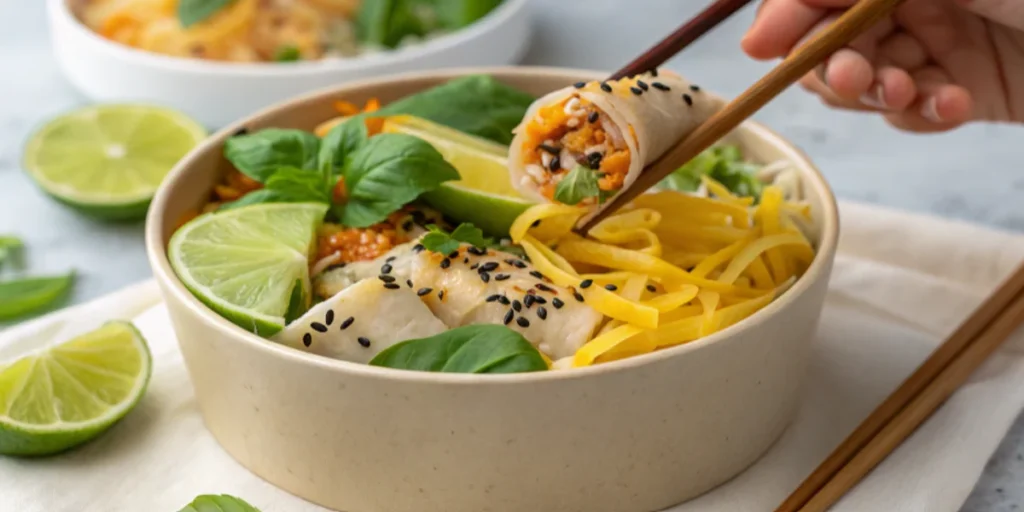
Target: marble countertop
column 973, row 174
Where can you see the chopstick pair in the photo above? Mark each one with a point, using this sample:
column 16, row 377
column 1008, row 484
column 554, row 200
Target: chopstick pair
column 949, row 366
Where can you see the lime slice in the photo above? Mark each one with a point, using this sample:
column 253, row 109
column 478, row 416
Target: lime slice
column 484, row 195
column 108, row 160
column 245, row 262
column 68, row 394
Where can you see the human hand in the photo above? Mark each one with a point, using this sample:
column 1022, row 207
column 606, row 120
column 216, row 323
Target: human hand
column 931, row 66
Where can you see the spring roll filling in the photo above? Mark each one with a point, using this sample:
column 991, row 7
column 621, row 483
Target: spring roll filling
column 570, row 133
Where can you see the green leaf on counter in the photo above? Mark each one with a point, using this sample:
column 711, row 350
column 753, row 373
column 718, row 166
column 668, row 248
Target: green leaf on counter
column 484, row 348
column 387, row 172
column 581, row 183
column 218, row 503
column 439, row 241
column 191, row 12
column 723, row 164
column 259, row 155
column 20, row 297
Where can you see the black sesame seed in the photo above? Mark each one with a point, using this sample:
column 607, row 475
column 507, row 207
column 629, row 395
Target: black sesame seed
column 307, row 339
column 577, row 295
column 454, row 255
column 418, row 248
column 318, row 327
column 501, row 277
column 555, row 164
column 557, row 303
column 543, row 287
column 516, row 305
column 329, row 317
column 386, row 278
column 688, row 99
column 476, row 250
column 364, row 341
column 508, row 317
column 605, row 87
column 660, row 86
column 522, row 321
column 550, row 149
column 579, row 85
column 392, row 286
column 445, row 263
column 636, row 90
column 586, row 283
column 654, row 72
column 651, row 288
column 485, row 277
column 593, row 117
column 534, row 273
column 694, row 88
column 408, row 282
column 540, row 300
column 503, row 300
column 643, row 85
column 494, row 298
column 474, row 266
column 542, row 313
column 390, row 259
column 440, row 295
column 423, row 291
column 594, row 160
column 520, row 264
column 489, row 266
column 348, row 321
column 528, row 301
column 535, row 223
column 611, row 287
column 465, row 260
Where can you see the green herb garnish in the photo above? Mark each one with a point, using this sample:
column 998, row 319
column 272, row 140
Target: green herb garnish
column 581, row 183
column 723, row 164
column 439, row 241
column 191, row 12
column 341, row 141
column 387, row 172
column 485, row 348
column 290, row 185
column 10, row 250
column 287, row 53
column 23, row 296
column 218, row 503
column 259, row 155
column 456, row 14
column 388, row 22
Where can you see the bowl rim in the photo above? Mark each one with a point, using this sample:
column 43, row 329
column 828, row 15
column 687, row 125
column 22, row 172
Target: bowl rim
column 62, row 15
column 156, row 250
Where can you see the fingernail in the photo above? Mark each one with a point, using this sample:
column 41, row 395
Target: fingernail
column 930, row 110
column 821, row 72
column 875, row 97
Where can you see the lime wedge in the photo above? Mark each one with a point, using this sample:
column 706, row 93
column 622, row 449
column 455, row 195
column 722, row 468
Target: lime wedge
column 108, row 160
column 245, row 262
column 484, row 195
column 68, row 394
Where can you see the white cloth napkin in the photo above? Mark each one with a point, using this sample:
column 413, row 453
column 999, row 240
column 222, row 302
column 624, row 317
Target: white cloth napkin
column 901, row 283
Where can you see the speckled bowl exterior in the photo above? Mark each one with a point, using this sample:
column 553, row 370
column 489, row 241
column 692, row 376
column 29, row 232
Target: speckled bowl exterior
column 639, row 434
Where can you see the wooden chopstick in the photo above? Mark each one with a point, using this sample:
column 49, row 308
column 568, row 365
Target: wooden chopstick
column 883, row 416
column 686, row 34
column 852, row 23
column 920, row 408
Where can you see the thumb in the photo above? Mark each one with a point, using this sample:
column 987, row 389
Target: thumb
column 1004, row 12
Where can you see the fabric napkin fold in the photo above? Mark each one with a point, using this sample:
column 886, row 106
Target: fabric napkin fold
column 901, row 283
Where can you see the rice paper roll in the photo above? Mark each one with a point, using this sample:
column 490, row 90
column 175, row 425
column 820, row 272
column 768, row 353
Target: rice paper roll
column 615, row 128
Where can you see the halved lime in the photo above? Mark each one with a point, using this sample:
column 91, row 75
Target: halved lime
column 246, row 262
column 68, row 394
column 484, row 195
column 108, row 160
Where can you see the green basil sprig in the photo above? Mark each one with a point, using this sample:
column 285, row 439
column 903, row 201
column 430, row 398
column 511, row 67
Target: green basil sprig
column 723, row 164
column 23, row 296
column 218, row 503
column 439, row 241
column 191, row 12
column 260, row 154
column 484, row 348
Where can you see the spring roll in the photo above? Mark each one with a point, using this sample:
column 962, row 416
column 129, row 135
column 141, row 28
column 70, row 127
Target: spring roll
column 615, row 128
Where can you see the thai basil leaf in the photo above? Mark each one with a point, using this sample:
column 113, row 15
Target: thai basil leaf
column 191, row 12
column 259, row 155
column 456, row 14
column 218, row 503
column 388, row 22
column 439, row 241
column 388, row 171
column 581, row 183
column 485, row 348
column 340, row 142
column 289, row 185
column 20, row 297
column 723, row 164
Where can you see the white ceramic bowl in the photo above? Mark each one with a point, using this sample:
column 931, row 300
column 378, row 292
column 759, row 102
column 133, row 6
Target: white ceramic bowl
column 634, row 435
column 216, row 93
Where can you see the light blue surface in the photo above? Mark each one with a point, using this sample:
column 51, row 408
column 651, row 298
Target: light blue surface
column 975, row 173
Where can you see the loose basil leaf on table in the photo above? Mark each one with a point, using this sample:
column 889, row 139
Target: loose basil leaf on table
column 485, row 348
column 439, row 241
column 20, row 297
column 218, row 503
column 191, row 12
column 340, row 142
column 260, row 154
column 581, row 183
column 387, row 172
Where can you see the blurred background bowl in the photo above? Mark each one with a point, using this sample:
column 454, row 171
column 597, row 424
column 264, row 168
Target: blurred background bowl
column 216, row 93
